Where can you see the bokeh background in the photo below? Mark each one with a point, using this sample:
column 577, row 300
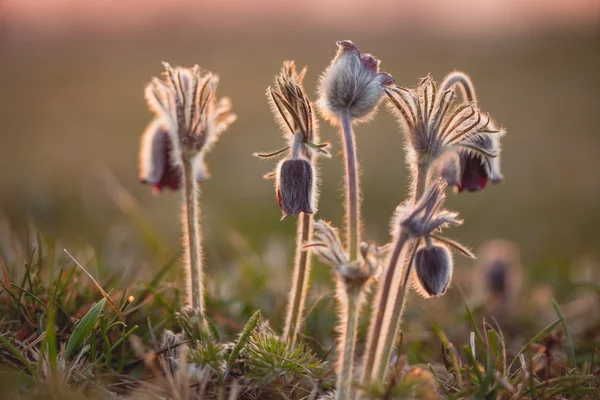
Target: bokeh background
column 72, row 110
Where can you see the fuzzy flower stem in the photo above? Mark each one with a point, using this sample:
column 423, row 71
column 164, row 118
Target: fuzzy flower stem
column 397, row 303
column 347, row 344
column 191, row 238
column 352, row 195
column 380, row 311
column 297, row 301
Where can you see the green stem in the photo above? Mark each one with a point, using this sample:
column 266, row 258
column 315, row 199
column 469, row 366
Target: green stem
column 295, row 312
column 352, row 196
column 191, row 238
column 397, row 310
column 346, row 354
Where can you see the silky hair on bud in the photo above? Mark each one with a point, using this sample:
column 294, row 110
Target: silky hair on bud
column 295, row 185
column 352, row 83
column 433, row 267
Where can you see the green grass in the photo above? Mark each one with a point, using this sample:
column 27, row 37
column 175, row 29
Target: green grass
column 60, row 338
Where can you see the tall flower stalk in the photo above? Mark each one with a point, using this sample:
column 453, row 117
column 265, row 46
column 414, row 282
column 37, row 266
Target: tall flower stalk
column 439, row 137
column 351, row 279
column 350, row 91
column 189, row 120
column 296, row 177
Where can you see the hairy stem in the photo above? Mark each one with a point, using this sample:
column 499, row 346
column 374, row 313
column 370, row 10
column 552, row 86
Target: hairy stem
column 297, row 301
column 396, row 308
column 347, row 344
column 379, row 311
column 352, row 195
column 192, row 238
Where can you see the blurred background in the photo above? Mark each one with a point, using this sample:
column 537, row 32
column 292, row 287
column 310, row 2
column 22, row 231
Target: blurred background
column 72, row 110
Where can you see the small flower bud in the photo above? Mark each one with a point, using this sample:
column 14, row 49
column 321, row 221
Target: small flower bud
column 295, row 185
column 434, row 269
column 352, row 83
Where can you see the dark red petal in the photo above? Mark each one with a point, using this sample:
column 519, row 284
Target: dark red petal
column 474, row 176
column 171, row 177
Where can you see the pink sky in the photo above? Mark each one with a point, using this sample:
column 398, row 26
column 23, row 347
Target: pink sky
column 456, row 16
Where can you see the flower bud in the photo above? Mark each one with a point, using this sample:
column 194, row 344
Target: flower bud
column 295, row 185
column 434, row 269
column 352, row 83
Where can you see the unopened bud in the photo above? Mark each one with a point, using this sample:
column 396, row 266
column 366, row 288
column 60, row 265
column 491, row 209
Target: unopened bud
column 352, row 83
column 434, row 269
column 295, row 185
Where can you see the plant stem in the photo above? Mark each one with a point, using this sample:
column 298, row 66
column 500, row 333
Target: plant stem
column 346, row 354
column 191, row 238
column 378, row 315
column 352, row 196
column 396, row 312
column 297, row 301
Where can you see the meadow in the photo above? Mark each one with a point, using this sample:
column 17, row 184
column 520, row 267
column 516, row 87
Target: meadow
column 72, row 114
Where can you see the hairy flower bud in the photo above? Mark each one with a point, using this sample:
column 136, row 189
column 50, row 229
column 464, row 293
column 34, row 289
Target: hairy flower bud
column 434, row 269
column 295, row 186
column 352, row 83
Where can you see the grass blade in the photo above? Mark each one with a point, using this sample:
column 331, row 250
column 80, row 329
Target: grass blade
column 536, row 337
column 110, row 301
column 564, row 324
column 85, row 327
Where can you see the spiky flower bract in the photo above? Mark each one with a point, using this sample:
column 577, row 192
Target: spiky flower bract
column 351, row 282
column 434, row 125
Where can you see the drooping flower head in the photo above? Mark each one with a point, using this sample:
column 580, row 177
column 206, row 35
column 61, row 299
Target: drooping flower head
column 295, row 176
column 352, row 84
column 423, row 222
column 189, row 120
column 435, row 125
column 469, row 170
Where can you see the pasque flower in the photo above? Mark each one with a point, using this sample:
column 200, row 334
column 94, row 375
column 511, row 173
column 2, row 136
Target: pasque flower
column 189, row 120
column 412, row 223
column 434, row 125
column 350, row 90
column 295, row 176
column 352, row 83
column 470, row 170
